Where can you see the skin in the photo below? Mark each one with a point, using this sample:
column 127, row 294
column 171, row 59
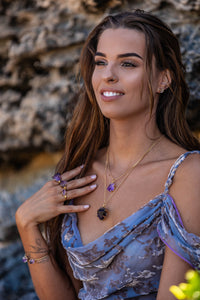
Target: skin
column 131, row 133
column 47, row 203
column 126, row 71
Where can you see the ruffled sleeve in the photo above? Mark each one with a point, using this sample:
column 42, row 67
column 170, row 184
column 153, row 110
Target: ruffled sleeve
column 172, row 232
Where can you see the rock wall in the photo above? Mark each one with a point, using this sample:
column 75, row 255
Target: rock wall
column 40, row 43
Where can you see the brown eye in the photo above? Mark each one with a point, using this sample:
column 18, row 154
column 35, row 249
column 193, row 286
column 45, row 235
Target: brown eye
column 128, row 64
column 100, row 63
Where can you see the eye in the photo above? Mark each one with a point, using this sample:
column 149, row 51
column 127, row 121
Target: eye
column 100, row 63
column 128, row 64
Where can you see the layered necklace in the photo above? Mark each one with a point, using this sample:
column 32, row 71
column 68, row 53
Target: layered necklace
column 112, row 187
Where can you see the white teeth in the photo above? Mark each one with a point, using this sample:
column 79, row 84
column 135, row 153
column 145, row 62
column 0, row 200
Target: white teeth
column 110, row 94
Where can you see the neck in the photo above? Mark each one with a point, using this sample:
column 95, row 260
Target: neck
column 128, row 141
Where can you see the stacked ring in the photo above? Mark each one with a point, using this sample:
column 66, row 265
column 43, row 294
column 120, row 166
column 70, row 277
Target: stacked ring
column 63, row 183
column 57, row 177
column 64, row 193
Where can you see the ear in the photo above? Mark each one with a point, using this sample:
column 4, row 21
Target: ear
column 164, row 81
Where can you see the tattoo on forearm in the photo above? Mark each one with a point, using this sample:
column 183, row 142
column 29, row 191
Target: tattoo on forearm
column 37, row 248
column 33, row 250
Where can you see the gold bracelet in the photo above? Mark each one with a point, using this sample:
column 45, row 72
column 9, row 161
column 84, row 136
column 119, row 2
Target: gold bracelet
column 31, row 260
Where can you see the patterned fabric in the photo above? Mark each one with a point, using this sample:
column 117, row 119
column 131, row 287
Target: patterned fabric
column 126, row 261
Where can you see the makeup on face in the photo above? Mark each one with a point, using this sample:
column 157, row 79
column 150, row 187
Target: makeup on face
column 120, row 79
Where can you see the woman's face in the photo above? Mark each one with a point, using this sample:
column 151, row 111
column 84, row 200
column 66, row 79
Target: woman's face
column 119, row 79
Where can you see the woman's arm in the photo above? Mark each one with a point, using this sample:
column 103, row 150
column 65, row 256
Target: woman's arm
column 185, row 190
column 49, row 280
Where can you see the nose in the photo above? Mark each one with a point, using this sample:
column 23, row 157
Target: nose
column 110, row 74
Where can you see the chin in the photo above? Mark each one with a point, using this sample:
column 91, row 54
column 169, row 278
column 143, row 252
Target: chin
column 112, row 115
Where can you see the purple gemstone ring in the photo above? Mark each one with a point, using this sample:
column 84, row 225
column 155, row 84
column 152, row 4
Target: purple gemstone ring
column 64, row 193
column 57, row 177
column 63, row 184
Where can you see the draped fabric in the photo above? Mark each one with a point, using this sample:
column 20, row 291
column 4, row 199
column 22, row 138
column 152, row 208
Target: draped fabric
column 126, row 261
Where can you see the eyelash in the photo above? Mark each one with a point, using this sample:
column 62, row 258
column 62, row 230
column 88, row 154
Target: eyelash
column 99, row 63
column 126, row 64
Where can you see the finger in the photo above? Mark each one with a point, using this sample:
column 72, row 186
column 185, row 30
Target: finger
column 72, row 208
column 75, row 193
column 76, row 183
column 72, row 173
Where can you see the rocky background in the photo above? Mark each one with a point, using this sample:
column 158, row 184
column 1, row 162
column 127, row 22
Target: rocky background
column 40, row 43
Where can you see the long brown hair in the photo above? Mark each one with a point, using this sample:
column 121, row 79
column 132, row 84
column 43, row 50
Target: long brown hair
column 88, row 130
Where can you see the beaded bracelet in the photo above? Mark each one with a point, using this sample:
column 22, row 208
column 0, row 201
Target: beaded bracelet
column 31, row 260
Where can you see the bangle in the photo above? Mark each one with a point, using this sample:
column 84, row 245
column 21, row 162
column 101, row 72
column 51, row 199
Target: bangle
column 31, row 260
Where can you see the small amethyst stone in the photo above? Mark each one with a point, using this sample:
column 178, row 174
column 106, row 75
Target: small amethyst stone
column 64, row 192
column 111, row 187
column 57, row 177
column 102, row 213
column 25, row 259
column 31, row 261
column 63, row 184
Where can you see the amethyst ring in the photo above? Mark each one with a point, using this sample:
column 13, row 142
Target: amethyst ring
column 63, row 184
column 64, row 193
column 57, row 177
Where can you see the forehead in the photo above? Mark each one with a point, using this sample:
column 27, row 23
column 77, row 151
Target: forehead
column 122, row 40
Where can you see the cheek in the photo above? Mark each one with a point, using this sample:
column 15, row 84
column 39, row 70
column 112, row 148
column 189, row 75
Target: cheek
column 136, row 85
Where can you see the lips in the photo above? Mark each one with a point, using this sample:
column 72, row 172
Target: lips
column 107, row 93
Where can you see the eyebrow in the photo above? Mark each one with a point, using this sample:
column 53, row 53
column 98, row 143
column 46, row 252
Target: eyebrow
column 120, row 55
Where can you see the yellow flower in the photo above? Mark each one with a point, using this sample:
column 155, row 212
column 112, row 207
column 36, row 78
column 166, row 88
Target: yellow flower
column 189, row 290
column 177, row 292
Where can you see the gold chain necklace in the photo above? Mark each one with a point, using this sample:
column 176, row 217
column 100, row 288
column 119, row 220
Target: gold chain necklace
column 112, row 186
column 102, row 212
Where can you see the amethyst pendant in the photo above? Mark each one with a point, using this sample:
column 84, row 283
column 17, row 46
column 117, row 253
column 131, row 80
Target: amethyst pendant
column 111, row 187
column 102, row 213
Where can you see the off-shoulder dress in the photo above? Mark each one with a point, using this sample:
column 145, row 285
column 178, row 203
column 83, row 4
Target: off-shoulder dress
column 126, row 261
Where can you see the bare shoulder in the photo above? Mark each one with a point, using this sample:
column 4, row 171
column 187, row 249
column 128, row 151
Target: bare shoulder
column 188, row 174
column 186, row 192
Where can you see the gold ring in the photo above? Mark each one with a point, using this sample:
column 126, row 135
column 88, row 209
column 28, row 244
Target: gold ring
column 64, row 193
column 57, row 177
column 63, row 184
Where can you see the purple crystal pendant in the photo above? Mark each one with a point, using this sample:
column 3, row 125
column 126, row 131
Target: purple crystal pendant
column 102, row 212
column 57, row 177
column 111, row 187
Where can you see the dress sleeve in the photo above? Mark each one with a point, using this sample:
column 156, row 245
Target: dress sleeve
column 172, row 232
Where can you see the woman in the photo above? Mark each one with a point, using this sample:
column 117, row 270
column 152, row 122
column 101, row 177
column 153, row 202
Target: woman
column 128, row 142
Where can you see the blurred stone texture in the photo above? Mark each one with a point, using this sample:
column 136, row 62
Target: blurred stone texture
column 40, row 43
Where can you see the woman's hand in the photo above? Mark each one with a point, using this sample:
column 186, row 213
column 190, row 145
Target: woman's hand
column 49, row 201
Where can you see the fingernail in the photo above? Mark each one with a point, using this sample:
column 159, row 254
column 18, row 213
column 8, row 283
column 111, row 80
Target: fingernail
column 93, row 186
column 82, row 166
column 86, row 206
column 93, row 176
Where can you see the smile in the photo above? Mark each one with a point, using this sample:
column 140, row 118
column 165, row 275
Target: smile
column 111, row 94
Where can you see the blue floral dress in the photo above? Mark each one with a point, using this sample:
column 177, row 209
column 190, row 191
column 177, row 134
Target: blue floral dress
column 126, row 261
